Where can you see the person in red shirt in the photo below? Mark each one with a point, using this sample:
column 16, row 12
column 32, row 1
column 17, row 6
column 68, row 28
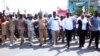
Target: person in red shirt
column 2, row 20
column 0, row 28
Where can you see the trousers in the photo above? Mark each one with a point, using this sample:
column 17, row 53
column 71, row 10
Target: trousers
column 30, row 35
column 82, row 36
column 68, row 36
column 55, row 35
column 94, row 35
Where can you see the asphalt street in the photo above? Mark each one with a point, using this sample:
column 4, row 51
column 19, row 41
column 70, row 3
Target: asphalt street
column 47, row 49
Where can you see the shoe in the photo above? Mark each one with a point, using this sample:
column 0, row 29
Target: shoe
column 88, row 46
column 40, row 45
column 45, row 41
column 80, row 46
column 63, row 42
column 30, row 45
column 2, row 43
column 22, row 42
column 58, row 39
column 97, row 48
column 68, row 46
column 51, row 44
column 11, row 45
column 74, row 39
column 76, row 42
column 54, row 45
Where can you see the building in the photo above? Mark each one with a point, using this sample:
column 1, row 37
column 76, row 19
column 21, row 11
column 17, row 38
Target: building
column 74, row 4
column 98, row 7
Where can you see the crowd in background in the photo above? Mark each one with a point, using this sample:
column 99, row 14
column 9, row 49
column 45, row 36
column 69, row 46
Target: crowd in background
column 50, row 28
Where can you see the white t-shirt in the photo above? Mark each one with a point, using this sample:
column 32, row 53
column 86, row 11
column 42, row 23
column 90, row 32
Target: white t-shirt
column 84, row 23
column 54, row 24
column 62, row 24
column 30, row 24
column 68, row 23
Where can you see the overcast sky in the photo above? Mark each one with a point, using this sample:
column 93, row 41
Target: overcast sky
column 33, row 6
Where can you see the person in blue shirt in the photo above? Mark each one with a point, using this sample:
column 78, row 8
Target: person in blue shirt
column 95, row 30
column 99, row 23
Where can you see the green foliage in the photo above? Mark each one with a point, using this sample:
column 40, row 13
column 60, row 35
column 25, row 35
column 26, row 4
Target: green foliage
column 79, row 11
column 92, row 9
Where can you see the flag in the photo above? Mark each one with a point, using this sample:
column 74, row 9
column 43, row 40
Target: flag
column 7, row 8
column 24, row 10
column 18, row 12
column 61, row 11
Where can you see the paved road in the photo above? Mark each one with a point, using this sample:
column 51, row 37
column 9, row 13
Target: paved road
column 47, row 50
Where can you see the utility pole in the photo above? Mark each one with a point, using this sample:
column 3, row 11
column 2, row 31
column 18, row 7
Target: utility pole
column 4, row 4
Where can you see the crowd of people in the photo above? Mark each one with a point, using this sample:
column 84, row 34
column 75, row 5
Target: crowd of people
column 50, row 28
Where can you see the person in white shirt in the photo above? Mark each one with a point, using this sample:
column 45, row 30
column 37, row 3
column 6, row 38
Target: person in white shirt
column 74, row 17
column 62, row 30
column 30, row 26
column 54, row 26
column 82, row 30
column 68, row 25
